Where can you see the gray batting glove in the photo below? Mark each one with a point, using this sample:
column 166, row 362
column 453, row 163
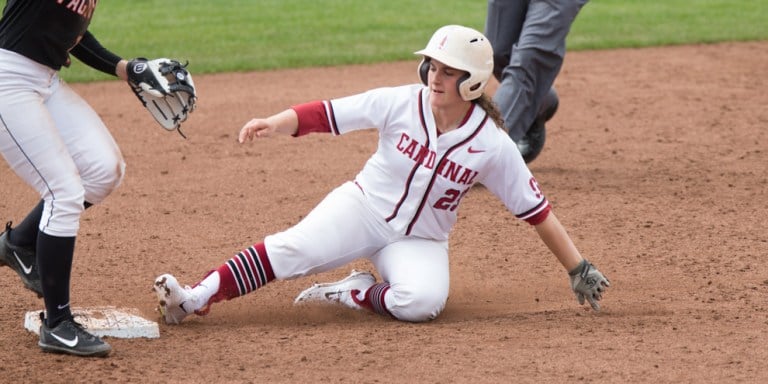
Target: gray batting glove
column 588, row 283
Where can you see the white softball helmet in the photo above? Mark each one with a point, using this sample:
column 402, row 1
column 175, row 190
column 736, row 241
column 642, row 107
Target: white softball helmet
column 462, row 48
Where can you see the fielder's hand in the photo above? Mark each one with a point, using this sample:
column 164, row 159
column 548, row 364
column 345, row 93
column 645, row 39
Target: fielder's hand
column 588, row 283
column 165, row 88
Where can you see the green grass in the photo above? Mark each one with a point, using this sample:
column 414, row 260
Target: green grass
column 244, row 35
column 606, row 24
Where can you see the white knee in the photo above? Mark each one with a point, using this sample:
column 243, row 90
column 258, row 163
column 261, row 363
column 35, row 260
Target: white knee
column 103, row 178
column 415, row 305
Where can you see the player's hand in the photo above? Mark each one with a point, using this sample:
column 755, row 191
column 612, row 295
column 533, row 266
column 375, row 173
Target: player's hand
column 254, row 129
column 588, row 283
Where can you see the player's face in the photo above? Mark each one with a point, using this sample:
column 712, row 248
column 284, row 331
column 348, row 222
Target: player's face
column 442, row 81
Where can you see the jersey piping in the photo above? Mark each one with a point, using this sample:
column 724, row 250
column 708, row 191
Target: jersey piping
column 435, row 171
column 416, row 165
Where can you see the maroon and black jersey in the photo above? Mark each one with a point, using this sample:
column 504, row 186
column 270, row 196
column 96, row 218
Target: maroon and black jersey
column 46, row 31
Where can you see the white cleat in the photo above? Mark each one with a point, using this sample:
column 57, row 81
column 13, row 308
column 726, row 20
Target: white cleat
column 171, row 298
column 339, row 292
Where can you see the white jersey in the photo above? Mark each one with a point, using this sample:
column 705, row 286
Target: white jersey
column 416, row 179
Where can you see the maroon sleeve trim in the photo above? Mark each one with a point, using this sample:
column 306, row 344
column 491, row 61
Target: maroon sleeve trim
column 312, row 118
column 540, row 216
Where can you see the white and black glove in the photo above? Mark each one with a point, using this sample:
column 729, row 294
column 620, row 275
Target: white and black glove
column 165, row 88
column 588, row 283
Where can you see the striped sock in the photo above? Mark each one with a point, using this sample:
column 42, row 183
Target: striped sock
column 374, row 299
column 243, row 273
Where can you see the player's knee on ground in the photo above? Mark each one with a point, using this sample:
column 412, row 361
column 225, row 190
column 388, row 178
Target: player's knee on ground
column 415, row 304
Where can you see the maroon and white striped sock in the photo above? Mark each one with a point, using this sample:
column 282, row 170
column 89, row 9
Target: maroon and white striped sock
column 244, row 273
column 374, row 299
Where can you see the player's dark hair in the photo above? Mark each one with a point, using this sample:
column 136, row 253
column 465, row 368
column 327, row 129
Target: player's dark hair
column 485, row 102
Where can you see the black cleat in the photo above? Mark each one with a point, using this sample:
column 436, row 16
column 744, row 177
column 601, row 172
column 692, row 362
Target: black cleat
column 23, row 260
column 532, row 143
column 70, row 337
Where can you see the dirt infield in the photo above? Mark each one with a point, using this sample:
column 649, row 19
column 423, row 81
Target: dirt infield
column 656, row 163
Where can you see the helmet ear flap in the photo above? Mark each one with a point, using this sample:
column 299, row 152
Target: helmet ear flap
column 424, row 70
column 463, row 83
column 424, row 73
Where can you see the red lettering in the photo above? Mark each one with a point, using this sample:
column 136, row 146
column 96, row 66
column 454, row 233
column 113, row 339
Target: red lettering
column 472, row 179
column 410, row 150
column 535, row 187
column 465, row 176
column 403, row 138
column 456, row 172
column 450, row 200
column 447, row 200
column 441, row 166
column 416, row 151
column 430, row 160
column 452, row 171
column 422, row 155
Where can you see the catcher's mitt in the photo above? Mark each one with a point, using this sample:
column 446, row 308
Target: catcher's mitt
column 165, row 88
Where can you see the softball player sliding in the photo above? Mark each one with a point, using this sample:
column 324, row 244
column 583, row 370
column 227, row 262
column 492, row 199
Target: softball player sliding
column 435, row 143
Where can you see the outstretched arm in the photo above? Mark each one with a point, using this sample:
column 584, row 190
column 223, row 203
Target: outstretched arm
column 285, row 122
column 299, row 120
column 587, row 283
column 557, row 240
